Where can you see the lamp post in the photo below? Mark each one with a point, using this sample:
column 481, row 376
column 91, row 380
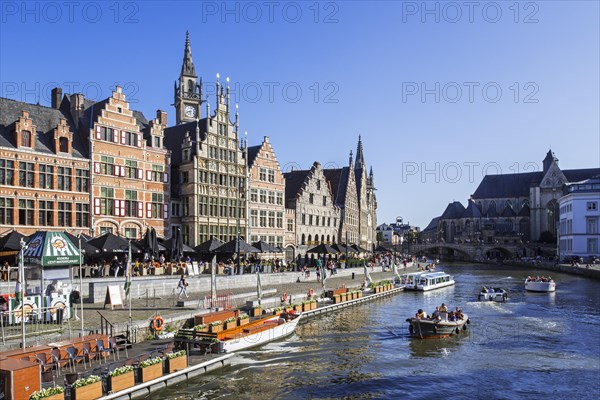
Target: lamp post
column 21, row 283
column 81, row 286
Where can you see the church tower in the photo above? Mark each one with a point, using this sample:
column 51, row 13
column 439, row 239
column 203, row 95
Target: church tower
column 188, row 93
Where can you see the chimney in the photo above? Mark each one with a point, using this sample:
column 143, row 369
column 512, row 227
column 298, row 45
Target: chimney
column 56, row 97
column 162, row 117
column 77, row 107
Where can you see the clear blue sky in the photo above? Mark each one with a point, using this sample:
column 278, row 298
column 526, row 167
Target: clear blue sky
column 420, row 85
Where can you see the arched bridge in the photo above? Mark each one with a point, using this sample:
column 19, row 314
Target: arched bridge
column 471, row 251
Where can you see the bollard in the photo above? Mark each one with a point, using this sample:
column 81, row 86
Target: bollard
column 154, row 299
column 353, row 275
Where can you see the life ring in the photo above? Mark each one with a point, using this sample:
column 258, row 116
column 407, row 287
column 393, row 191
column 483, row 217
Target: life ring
column 284, row 298
column 311, row 292
column 158, row 323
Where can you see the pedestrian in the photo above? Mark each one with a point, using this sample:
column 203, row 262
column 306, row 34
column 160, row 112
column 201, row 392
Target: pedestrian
column 18, row 295
column 182, row 286
column 318, row 275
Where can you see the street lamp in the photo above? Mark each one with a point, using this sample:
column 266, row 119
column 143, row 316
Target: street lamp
column 21, row 291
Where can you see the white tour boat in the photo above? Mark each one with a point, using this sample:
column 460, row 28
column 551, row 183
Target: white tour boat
column 493, row 294
column 540, row 284
column 429, row 281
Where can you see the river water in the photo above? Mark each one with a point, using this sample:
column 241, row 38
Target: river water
column 533, row 346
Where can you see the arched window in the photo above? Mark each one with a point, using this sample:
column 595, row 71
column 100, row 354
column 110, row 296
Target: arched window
column 25, row 138
column 328, row 237
column 492, row 207
column 190, row 86
column 309, row 238
column 322, row 238
column 63, row 145
column 303, row 239
column 508, row 203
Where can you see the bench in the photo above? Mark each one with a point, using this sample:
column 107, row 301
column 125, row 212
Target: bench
column 215, row 316
column 260, row 328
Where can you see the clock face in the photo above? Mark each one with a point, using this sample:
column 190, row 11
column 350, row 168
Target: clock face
column 190, row 111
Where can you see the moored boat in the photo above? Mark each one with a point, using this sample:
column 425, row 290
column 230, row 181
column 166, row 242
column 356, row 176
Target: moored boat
column 538, row 284
column 493, row 294
column 423, row 328
column 430, row 281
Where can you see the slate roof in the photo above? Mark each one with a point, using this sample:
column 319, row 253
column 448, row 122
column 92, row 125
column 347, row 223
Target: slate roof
column 253, row 153
column 293, row 183
column 338, row 181
column 455, row 210
column 472, row 211
column 45, row 119
column 524, row 211
column 508, row 212
column 432, row 225
column 174, row 136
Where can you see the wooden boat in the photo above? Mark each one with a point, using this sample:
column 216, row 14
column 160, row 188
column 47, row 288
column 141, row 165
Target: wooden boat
column 436, row 328
column 493, row 294
column 540, row 284
column 430, row 281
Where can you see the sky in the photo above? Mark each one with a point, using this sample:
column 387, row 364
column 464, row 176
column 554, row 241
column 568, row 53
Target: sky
column 441, row 92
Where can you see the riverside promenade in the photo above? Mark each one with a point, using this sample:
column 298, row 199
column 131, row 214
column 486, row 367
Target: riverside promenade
column 241, row 288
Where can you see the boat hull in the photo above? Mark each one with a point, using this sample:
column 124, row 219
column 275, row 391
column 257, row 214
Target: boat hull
column 499, row 297
column 420, row 288
column 246, row 341
column 540, row 286
column 425, row 328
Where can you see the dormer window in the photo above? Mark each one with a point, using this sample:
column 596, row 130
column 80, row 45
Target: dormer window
column 63, row 145
column 157, row 141
column 119, row 110
column 25, row 138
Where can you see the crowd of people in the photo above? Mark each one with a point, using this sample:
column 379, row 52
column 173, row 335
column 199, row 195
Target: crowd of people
column 441, row 313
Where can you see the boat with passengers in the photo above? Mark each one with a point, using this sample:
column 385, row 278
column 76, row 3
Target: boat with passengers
column 439, row 325
column 540, row 284
column 429, row 281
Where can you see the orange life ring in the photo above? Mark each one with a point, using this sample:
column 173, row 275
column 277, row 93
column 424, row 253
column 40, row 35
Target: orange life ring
column 158, row 323
column 311, row 292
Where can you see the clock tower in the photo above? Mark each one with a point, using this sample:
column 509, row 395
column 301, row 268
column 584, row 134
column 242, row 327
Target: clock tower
column 188, row 93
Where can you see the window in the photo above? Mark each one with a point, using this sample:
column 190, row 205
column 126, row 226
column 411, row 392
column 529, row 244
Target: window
column 592, row 245
column 64, row 214
column 106, row 229
column 290, row 225
column 271, row 176
column 222, row 129
column 280, row 220
column 63, row 178
column 131, row 169
column 130, row 233
column 7, row 172
column 592, row 206
column 82, row 180
column 253, row 218
column 324, row 200
column 263, row 174
column 131, row 204
column 254, row 195
column 26, row 174
column 6, row 211
column 271, row 197
column 280, row 198
column 318, row 184
column 107, row 165
column 46, row 176
column 82, row 214
column 157, row 173
column 25, row 212
column 107, row 134
column 25, row 138
column 131, row 139
column 310, row 219
column 263, row 196
column 311, row 198
column 592, row 226
column 157, row 205
column 203, row 205
column 63, row 145
column 316, row 220
column 213, row 207
column 263, row 219
column 107, row 201
column 303, row 219
column 271, row 219
column 303, row 239
column 46, row 213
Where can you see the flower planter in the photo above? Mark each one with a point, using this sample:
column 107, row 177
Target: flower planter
column 216, row 328
column 256, row 312
column 230, row 325
column 59, row 396
column 121, row 382
column 151, row 372
column 337, row 299
column 176, row 364
column 92, row 391
column 344, row 296
column 350, row 296
column 360, row 294
column 203, row 330
column 313, row 305
column 306, row 307
column 243, row 321
column 298, row 307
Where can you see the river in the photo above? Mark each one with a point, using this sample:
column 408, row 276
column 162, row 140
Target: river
column 535, row 345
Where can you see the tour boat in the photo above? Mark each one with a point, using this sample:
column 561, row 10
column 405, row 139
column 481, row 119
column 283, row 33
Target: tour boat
column 540, row 284
column 493, row 294
column 436, row 328
column 409, row 279
column 257, row 333
column 429, row 281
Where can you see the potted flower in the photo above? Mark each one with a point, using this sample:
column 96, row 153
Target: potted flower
column 313, row 304
column 216, row 326
column 337, row 298
column 201, row 328
column 243, row 319
column 87, row 388
column 121, row 378
column 297, row 307
column 277, row 311
column 52, row 393
column 256, row 311
column 150, row 369
column 344, row 296
column 176, row 361
column 216, row 346
column 230, row 323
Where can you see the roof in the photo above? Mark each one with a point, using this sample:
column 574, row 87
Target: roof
column 455, row 210
column 175, row 135
column 524, row 211
column 432, row 225
column 293, row 183
column 44, row 118
column 472, row 211
column 338, row 181
column 253, row 153
column 508, row 212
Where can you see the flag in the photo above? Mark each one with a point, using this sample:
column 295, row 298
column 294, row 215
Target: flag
column 259, row 287
column 128, row 270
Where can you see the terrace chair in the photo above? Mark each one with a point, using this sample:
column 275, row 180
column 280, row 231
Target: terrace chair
column 73, row 357
column 57, row 359
column 100, row 349
column 89, row 352
column 117, row 344
column 42, row 359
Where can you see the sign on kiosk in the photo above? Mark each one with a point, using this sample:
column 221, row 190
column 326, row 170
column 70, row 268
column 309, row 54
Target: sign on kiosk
column 113, row 297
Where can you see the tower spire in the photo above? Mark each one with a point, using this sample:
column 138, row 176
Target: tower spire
column 187, row 68
column 360, row 159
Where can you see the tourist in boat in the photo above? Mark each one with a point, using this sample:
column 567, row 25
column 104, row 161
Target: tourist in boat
column 443, row 308
column 421, row 314
column 451, row 316
column 436, row 314
column 459, row 313
column 484, row 290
